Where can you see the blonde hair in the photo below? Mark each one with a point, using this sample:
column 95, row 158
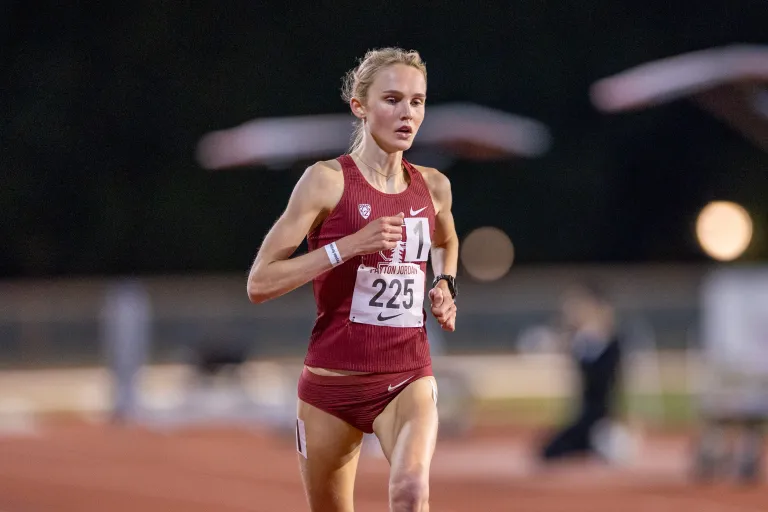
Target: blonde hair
column 358, row 80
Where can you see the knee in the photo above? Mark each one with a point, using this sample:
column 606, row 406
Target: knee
column 409, row 492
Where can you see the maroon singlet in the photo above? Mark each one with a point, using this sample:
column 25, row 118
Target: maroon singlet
column 370, row 315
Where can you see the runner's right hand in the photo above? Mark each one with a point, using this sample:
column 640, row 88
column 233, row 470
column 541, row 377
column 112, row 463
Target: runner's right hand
column 379, row 235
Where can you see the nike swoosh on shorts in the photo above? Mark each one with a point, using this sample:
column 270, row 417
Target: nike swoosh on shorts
column 392, row 388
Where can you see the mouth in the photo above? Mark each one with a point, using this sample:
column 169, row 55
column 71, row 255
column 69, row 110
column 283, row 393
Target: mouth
column 405, row 129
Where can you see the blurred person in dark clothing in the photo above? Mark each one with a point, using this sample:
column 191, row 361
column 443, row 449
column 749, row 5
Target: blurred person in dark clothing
column 594, row 346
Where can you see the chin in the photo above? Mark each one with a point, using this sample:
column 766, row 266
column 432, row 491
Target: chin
column 393, row 144
column 402, row 145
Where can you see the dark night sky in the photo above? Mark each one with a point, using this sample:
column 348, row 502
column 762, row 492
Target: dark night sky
column 102, row 108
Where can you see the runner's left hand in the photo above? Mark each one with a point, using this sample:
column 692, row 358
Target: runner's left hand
column 443, row 307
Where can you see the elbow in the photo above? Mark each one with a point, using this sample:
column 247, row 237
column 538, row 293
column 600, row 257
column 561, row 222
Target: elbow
column 256, row 290
column 254, row 296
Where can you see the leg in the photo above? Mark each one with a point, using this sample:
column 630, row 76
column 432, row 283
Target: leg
column 576, row 437
column 332, row 452
column 712, row 450
column 407, row 430
column 750, row 451
column 571, row 440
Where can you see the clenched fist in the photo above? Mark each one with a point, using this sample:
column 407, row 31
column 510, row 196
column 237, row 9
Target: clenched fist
column 379, row 235
column 443, row 307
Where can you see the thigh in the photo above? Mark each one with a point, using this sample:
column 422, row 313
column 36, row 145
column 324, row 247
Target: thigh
column 407, row 428
column 329, row 452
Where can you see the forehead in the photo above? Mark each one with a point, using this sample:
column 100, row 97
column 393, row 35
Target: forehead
column 400, row 77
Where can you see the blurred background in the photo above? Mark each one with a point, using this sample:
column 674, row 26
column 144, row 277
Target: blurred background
column 146, row 149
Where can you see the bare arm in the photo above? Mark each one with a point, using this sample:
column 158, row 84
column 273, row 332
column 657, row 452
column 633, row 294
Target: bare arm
column 445, row 249
column 445, row 246
column 275, row 273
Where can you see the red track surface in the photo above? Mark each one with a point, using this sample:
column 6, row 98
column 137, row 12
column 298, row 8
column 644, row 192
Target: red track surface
column 89, row 468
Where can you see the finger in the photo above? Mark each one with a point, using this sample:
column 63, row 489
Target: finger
column 389, row 245
column 444, row 308
column 436, row 296
column 444, row 313
column 395, row 221
column 393, row 237
column 447, row 300
column 449, row 319
column 450, row 325
column 441, row 313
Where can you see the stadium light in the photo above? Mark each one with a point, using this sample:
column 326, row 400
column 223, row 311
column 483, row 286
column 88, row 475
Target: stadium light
column 724, row 230
column 487, row 253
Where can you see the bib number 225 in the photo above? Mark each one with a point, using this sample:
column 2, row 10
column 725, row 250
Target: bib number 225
column 391, row 296
column 398, row 287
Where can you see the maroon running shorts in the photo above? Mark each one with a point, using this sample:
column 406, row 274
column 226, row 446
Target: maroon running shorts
column 356, row 399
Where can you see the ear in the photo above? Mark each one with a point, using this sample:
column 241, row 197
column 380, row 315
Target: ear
column 357, row 108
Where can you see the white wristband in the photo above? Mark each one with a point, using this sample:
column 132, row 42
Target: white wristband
column 333, row 254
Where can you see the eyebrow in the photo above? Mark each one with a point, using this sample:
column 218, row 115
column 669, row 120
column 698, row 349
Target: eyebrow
column 390, row 91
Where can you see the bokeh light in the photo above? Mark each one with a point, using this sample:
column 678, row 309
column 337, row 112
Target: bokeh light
column 487, row 253
column 724, row 230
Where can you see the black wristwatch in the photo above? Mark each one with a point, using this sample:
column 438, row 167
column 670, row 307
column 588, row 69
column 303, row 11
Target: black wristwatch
column 448, row 279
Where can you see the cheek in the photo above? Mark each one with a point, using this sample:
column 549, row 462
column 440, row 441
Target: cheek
column 382, row 116
column 418, row 115
column 387, row 112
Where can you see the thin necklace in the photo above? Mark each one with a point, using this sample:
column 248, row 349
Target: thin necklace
column 402, row 167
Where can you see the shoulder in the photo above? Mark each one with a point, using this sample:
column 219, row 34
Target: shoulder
column 324, row 172
column 319, row 189
column 323, row 178
column 438, row 183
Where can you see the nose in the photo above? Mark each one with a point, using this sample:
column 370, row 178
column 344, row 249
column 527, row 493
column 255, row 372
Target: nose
column 406, row 112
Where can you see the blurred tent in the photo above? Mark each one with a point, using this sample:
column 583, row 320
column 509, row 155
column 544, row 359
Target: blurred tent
column 449, row 131
column 731, row 82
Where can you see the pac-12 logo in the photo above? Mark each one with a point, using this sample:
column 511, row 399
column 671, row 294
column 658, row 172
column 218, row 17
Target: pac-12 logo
column 365, row 210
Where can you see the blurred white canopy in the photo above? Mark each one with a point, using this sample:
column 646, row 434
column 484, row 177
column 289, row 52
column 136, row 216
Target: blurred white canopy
column 459, row 129
column 731, row 82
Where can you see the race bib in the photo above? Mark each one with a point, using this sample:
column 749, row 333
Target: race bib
column 390, row 294
column 417, row 241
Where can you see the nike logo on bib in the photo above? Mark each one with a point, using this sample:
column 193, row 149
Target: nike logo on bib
column 383, row 318
column 392, row 388
column 416, row 212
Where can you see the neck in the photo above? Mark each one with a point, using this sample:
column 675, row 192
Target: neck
column 382, row 170
column 383, row 162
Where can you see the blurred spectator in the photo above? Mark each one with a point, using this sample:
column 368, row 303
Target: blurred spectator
column 126, row 319
column 595, row 349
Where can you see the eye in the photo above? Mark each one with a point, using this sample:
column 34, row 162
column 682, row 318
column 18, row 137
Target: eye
column 417, row 102
column 391, row 100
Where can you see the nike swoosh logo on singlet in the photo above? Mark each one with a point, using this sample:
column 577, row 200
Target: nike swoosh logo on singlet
column 416, row 212
column 392, row 388
column 382, row 318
